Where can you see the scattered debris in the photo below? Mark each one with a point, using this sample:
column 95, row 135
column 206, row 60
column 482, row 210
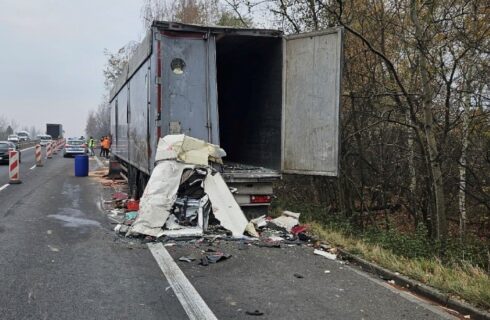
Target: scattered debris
column 287, row 220
column 131, row 215
column 391, row 282
column 325, row 254
column 133, row 205
column 120, row 196
column 214, row 258
column 54, row 249
column 327, row 271
column 254, row 313
column 187, row 258
column 250, row 230
column 299, row 229
column 259, row 222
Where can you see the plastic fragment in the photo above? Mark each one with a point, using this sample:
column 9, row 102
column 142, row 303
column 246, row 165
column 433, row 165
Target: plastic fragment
column 254, row 313
column 187, row 259
column 325, row 254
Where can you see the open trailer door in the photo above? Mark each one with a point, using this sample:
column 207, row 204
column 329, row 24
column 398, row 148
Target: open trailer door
column 312, row 73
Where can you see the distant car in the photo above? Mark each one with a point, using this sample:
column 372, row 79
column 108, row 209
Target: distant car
column 75, row 147
column 13, row 138
column 5, row 148
column 44, row 139
column 24, row 136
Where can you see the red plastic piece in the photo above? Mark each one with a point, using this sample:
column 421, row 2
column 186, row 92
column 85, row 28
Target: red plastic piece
column 299, row 229
column 133, row 205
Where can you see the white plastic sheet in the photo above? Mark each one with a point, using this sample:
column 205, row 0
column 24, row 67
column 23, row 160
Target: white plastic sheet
column 158, row 199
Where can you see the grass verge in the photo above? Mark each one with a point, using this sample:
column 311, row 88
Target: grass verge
column 464, row 281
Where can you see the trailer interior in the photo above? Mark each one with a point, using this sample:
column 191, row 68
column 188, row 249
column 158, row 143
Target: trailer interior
column 249, row 72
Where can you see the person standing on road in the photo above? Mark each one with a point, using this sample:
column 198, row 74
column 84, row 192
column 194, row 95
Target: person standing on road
column 91, row 145
column 105, row 145
column 101, row 147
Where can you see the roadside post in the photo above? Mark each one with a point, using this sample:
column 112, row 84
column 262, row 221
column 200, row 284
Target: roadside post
column 39, row 158
column 49, row 153
column 14, row 174
column 55, row 148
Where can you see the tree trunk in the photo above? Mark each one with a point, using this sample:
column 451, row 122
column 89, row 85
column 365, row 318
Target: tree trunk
column 411, row 170
column 430, row 136
column 462, row 166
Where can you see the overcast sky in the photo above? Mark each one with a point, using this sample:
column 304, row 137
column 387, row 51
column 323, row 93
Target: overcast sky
column 52, row 57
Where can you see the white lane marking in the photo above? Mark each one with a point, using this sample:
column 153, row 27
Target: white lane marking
column 191, row 301
column 4, row 187
column 33, row 167
column 27, row 148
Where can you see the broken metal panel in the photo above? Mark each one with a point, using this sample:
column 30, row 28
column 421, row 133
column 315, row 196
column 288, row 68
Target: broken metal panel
column 188, row 103
column 312, row 71
column 225, row 207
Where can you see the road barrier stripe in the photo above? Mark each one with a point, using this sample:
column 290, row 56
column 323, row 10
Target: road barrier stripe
column 49, row 151
column 14, row 174
column 191, row 301
column 39, row 156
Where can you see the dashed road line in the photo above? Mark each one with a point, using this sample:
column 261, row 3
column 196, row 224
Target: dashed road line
column 191, row 301
column 4, row 187
column 27, row 148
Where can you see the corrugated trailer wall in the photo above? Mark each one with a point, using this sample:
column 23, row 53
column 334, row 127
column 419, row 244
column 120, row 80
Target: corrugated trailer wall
column 121, row 105
column 138, row 118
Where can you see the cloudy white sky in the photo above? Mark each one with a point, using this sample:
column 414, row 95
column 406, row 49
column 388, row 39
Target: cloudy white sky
column 52, row 57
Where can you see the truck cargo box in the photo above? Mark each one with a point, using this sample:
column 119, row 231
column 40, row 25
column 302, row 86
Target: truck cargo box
column 271, row 101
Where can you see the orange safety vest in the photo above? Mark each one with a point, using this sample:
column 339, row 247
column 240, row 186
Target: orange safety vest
column 105, row 144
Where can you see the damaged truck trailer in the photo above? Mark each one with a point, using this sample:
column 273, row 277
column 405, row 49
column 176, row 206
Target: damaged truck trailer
column 270, row 101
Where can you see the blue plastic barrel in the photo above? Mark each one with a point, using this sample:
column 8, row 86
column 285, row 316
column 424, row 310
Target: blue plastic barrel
column 81, row 166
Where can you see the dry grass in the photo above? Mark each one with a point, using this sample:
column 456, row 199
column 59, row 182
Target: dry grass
column 466, row 282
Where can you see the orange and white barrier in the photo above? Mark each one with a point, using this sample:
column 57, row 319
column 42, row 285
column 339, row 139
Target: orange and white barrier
column 49, row 150
column 39, row 156
column 14, row 175
column 56, row 146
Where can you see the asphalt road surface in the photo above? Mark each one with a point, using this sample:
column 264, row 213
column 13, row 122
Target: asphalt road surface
column 60, row 259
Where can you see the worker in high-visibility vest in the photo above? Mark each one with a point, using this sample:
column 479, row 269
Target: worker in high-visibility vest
column 91, row 146
column 106, row 145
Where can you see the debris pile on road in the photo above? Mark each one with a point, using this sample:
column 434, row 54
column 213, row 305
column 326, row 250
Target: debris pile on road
column 184, row 191
column 186, row 199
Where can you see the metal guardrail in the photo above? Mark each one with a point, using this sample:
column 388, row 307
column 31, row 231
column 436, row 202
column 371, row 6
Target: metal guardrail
column 27, row 144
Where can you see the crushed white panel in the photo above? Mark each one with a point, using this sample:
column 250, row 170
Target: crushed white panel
column 187, row 149
column 287, row 220
column 225, row 207
column 158, row 198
